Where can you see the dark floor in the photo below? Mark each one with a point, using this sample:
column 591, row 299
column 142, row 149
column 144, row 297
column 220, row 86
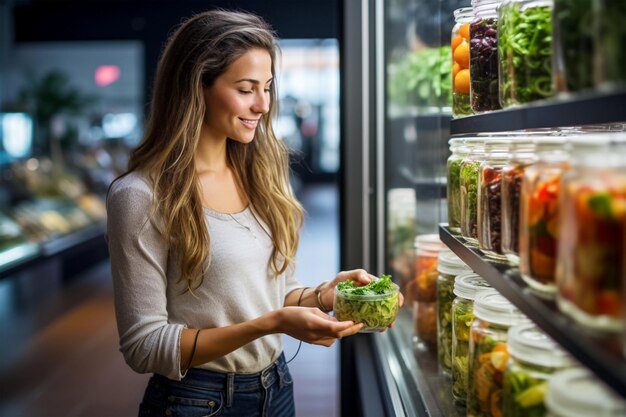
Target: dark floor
column 58, row 340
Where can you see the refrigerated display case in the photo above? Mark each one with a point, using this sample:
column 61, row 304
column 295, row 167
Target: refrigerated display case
column 398, row 140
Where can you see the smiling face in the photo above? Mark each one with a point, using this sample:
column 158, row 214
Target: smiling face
column 239, row 97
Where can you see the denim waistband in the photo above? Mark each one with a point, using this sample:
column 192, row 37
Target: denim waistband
column 229, row 382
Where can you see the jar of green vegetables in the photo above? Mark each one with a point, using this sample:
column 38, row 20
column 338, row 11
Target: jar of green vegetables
column 458, row 151
column 468, row 183
column 449, row 266
column 466, row 287
column 525, row 51
column 488, row 352
column 534, row 358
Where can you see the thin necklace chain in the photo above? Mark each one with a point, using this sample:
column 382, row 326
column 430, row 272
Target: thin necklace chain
column 248, row 228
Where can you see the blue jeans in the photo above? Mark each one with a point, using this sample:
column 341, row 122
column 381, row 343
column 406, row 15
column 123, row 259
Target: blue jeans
column 268, row 393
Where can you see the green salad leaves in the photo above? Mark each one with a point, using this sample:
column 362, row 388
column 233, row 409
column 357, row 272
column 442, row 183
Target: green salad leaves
column 375, row 304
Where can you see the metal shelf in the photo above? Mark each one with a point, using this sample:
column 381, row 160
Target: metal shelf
column 584, row 109
column 601, row 354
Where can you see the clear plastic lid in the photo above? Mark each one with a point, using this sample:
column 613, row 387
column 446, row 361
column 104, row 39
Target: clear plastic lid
column 576, row 392
column 468, row 285
column 528, row 343
column 450, row 264
column 491, row 306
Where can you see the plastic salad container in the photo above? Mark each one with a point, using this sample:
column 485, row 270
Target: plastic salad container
column 375, row 304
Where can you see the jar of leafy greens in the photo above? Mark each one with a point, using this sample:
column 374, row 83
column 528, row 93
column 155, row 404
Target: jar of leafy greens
column 522, row 156
column 539, row 213
column 576, row 392
column 468, row 182
column 460, row 62
column 375, row 304
column 593, row 221
column 525, row 51
column 488, row 352
column 484, row 94
column 428, row 247
column 466, row 287
column 497, row 153
column 449, row 267
column 458, row 151
column 534, row 358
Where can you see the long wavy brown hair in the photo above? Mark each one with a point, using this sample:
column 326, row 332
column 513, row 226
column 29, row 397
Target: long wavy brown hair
column 199, row 51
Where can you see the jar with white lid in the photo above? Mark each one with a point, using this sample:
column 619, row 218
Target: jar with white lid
column 589, row 273
column 466, row 287
column 488, row 353
column 534, row 357
column 577, row 393
column 449, row 266
column 423, row 290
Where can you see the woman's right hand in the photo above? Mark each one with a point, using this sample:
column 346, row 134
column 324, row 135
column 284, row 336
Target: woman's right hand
column 313, row 326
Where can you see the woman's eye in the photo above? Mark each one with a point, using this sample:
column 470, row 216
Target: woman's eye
column 245, row 91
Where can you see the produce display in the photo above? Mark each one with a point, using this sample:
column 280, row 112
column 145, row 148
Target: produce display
column 11, row 233
column 454, row 194
column 590, row 258
column 489, row 209
column 422, row 79
column 525, row 52
column 484, row 94
column 460, row 71
column 575, row 43
column 469, row 200
column 488, row 358
column 445, row 297
column 375, row 304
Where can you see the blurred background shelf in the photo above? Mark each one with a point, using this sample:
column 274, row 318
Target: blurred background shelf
column 600, row 354
column 584, row 109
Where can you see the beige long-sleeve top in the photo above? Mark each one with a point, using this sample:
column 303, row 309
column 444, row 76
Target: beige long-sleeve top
column 151, row 304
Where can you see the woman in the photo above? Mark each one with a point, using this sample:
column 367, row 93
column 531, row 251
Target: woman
column 203, row 232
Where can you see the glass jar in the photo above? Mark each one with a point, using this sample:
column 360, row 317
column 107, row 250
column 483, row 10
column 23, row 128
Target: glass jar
column 534, row 358
column 460, row 62
column 484, row 94
column 539, row 214
column 424, row 289
column 490, row 197
column 466, row 287
column 576, row 392
column 449, row 266
column 525, row 51
column 469, row 189
column 488, row 352
column 458, row 150
column 610, row 54
column 593, row 210
column 522, row 156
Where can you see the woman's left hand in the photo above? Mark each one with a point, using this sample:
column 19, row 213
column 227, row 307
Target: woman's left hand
column 359, row 276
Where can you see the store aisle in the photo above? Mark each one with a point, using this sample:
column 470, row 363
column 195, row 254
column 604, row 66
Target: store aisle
column 59, row 341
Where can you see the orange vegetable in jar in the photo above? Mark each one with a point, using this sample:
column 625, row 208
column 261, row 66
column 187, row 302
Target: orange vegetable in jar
column 456, row 41
column 461, row 54
column 464, row 31
column 462, row 81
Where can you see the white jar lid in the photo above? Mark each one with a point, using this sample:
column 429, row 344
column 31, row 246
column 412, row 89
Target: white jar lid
column 450, row 264
column 491, row 306
column 467, row 285
column 529, row 344
column 576, row 392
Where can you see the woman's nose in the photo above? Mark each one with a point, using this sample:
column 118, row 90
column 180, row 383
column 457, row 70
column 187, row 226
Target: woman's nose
column 261, row 102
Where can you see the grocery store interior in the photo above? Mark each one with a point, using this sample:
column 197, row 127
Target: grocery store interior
column 470, row 153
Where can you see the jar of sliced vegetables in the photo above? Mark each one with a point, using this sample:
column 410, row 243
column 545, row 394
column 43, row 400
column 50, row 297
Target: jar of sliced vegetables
column 468, row 183
column 460, row 62
column 466, row 287
column 539, row 213
column 497, row 153
column 458, row 150
column 577, row 393
column 484, row 94
column 590, row 263
column 488, row 353
column 525, row 51
column 449, row 266
column 534, row 358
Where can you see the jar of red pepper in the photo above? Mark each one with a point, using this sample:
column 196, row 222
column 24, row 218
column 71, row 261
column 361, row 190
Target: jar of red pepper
column 593, row 208
column 539, row 213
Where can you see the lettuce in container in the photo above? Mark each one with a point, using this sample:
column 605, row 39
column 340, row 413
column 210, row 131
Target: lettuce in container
column 375, row 304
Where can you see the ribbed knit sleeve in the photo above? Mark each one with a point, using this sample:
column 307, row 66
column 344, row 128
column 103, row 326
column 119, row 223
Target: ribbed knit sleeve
column 139, row 256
